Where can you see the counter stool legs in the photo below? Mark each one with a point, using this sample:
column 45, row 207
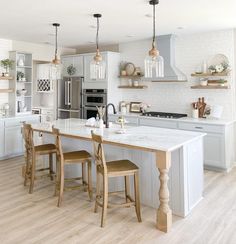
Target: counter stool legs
column 137, row 197
column 90, row 189
column 32, row 177
column 51, row 166
column 98, row 190
column 105, row 200
column 127, row 188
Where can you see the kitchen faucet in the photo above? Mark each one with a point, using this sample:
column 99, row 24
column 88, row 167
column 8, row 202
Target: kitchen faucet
column 106, row 117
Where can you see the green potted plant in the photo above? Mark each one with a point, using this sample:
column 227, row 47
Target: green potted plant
column 7, row 65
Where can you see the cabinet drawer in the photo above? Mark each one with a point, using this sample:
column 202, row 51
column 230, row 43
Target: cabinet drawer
column 158, row 123
column 202, row 127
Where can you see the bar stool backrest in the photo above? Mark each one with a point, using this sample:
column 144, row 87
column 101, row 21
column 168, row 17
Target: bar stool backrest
column 99, row 152
column 28, row 138
column 58, row 143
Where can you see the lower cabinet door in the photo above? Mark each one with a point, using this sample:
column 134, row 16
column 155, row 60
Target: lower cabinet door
column 214, row 150
column 13, row 141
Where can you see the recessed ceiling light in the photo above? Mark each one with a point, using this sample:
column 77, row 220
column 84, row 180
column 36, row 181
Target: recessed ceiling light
column 47, row 43
column 51, row 34
column 92, row 42
column 130, row 36
column 180, row 28
column 148, row 15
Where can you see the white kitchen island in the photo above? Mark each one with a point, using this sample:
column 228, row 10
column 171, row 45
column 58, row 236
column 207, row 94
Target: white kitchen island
column 175, row 156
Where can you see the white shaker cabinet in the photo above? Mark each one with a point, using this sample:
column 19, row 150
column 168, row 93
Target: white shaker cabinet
column 77, row 61
column 219, row 152
column 13, row 141
column 11, row 135
column 2, row 139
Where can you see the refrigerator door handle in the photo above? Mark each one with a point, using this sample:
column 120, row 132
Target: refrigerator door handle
column 66, row 92
column 69, row 92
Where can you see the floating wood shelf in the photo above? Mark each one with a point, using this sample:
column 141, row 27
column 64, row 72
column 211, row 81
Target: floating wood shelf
column 6, row 78
column 210, row 75
column 132, row 87
column 209, row 87
column 131, row 76
column 6, row 90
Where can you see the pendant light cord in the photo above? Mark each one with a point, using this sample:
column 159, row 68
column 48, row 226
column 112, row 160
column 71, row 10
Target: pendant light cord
column 97, row 33
column 154, row 26
column 56, row 43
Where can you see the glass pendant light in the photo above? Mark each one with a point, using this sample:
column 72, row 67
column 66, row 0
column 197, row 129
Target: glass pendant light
column 97, row 65
column 56, row 63
column 154, row 63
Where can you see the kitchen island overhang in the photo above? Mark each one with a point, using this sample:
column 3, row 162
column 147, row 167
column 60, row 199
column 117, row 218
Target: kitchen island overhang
column 176, row 154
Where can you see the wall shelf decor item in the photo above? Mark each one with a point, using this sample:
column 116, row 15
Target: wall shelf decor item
column 154, row 63
column 135, row 107
column 97, row 64
column 45, row 86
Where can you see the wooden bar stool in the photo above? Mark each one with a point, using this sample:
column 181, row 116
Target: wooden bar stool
column 114, row 169
column 31, row 153
column 76, row 157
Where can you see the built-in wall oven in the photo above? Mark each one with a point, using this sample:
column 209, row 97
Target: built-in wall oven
column 91, row 99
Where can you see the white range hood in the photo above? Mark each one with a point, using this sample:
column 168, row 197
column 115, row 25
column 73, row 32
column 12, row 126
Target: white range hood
column 166, row 47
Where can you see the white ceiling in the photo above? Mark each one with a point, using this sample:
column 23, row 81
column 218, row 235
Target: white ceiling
column 30, row 20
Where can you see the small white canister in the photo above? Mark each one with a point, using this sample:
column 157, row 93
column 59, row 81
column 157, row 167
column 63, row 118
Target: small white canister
column 195, row 113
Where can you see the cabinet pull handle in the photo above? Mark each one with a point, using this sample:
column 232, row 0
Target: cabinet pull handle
column 198, row 127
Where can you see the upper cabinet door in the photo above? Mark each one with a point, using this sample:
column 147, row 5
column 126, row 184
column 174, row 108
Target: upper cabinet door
column 76, row 61
column 66, row 61
column 87, row 61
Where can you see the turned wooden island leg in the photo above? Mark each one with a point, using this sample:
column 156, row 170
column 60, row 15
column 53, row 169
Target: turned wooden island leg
column 164, row 213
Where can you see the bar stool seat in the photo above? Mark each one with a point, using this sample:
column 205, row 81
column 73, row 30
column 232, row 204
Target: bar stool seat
column 45, row 149
column 76, row 156
column 121, row 168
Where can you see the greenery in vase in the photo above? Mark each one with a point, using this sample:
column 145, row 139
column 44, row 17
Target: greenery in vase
column 20, row 75
column 71, row 70
column 7, row 64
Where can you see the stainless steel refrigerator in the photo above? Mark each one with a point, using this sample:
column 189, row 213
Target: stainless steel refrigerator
column 69, row 91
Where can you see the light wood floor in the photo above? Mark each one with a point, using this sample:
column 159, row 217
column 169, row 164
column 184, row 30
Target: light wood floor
column 35, row 218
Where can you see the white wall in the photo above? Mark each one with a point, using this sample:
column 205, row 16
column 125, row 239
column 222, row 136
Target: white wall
column 41, row 52
column 191, row 50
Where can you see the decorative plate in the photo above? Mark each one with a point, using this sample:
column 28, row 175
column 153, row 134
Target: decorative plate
column 130, row 68
column 218, row 59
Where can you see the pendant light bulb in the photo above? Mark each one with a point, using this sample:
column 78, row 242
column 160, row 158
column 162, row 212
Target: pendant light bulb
column 154, row 63
column 97, row 65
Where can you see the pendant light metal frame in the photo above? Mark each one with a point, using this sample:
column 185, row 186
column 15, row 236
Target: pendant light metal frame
column 56, row 60
column 98, row 56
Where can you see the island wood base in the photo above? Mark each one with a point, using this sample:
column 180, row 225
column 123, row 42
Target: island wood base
column 164, row 213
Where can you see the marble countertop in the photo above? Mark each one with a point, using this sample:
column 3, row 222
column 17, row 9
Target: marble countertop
column 210, row 121
column 140, row 137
